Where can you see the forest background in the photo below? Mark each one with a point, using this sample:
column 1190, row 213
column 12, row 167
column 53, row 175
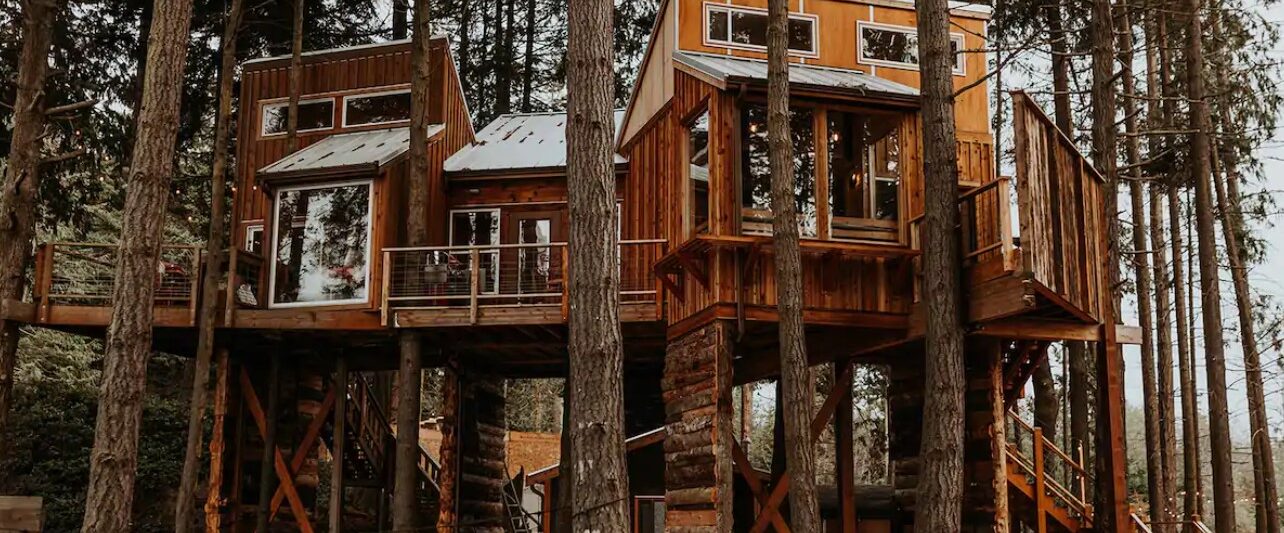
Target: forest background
column 511, row 56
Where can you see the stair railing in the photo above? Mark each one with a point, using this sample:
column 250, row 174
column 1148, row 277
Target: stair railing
column 1071, row 492
column 375, row 432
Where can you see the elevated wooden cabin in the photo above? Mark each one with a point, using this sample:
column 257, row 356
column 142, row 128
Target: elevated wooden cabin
column 319, row 270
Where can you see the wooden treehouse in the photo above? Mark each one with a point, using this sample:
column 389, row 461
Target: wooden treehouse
column 318, row 274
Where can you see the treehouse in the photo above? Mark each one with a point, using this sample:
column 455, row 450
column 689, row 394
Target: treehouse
column 320, row 274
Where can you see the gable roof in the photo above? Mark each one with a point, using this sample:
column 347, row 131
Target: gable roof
column 363, row 150
column 520, row 141
column 728, row 70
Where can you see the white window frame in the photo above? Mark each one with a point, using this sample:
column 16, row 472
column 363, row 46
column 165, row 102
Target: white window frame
column 710, row 7
column 960, row 63
column 250, row 230
column 274, row 104
column 276, row 229
column 499, row 228
column 346, row 97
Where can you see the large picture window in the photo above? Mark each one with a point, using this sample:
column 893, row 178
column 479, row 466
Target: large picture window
column 376, row 108
column 756, row 171
column 897, row 46
column 698, row 172
column 742, row 27
column 322, row 244
column 315, row 114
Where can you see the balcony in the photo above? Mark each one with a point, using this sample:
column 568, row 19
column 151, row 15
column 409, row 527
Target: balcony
column 74, row 284
column 506, row 284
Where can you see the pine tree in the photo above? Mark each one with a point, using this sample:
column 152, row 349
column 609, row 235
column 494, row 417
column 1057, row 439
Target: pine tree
column 940, row 484
column 1210, row 292
column 113, row 462
column 21, row 179
column 795, row 376
column 600, row 501
column 212, row 274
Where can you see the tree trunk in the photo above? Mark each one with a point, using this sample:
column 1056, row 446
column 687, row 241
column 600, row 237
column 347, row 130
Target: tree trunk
column 1110, row 463
column 400, row 26
column 1046, row 404
column 409, row 374
column 1210, row 291
column 211, row 275
column 267, row 472
column 528, row 58
column 295, row 80
column 1080, row 392
column 596, row 354
column 504, row 73
column 448, row 502
column 1157, row 478
column 566, row 467
column 22, row 176
column 1060, row 67
column 1266, row 496
column 114, row 460
column 940, row 483
column 796, row 402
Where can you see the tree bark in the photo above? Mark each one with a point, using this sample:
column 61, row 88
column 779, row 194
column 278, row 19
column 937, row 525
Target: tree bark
column 1266, row 495
column 409, row 374
column 528, row 58
column 267, row 472
column 596, row 354
column 1060, row 67
column 1046, row 404
column 114, row 460
column 1210, row 291
column 211, row 275
column 295, row 80
column 940, row 485
column 338, row 452
column 448, row 502
column 504, row 74
column 796, row 403
column 1157, row 478
column 22, row 176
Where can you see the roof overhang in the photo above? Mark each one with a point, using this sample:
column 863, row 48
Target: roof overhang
column 344, row 155
column 728, row 72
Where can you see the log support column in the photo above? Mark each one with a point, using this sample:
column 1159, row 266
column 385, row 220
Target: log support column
column 699, row 421
column 985, row 465
column 483, row 470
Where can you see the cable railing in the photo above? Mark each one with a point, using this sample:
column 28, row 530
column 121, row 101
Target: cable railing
column 84, row 274
column 504, row 275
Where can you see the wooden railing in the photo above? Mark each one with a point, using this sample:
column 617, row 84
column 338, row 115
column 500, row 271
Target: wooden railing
column 1055, row 472
column 374, row 433
column 504, row 275
column 84, row 274
column 985, row 229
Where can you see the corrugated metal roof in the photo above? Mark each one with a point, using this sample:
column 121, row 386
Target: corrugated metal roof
column 726, row 68
column 519, row 141
column 374, row 147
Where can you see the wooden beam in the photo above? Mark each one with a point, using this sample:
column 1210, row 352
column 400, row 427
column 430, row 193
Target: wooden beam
column 1043, row 330
column 755, row 487
column 846, row 466
column 278, row 461
column 337, row 449
column 309, row 440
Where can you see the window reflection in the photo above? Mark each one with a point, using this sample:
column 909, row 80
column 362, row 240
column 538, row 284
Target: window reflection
column 376, row 108
column 313, row 115
column 748, row 28
column 322, row 244
column 476, row 228
column 533, row 264
column 756, row 170
column 864, row 180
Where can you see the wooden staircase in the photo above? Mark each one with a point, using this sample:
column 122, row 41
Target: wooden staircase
column 1047, row 487
column 369, row 453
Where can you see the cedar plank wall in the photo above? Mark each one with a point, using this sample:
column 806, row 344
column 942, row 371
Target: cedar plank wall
column 335, row 74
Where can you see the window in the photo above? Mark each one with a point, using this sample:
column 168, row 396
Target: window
column 534, row 263
column 698, row 172
column 254, row 238
column 756, row 171
column 864, row 181
column 741, row 27
column 476, row 228
column 322, row 244
column 648, row 514
column 314, row 114
column 897, row 46
column 376, row 108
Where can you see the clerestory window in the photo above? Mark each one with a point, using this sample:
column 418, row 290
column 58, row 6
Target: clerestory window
column 743, row 27
column 894, row 46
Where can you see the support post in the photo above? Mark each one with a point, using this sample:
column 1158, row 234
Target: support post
column 214, row 493
column 406, row 465
column 267, row 484
column 1040, row 484
column 1110, row 465
column 846, row 461
column 340, row 431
